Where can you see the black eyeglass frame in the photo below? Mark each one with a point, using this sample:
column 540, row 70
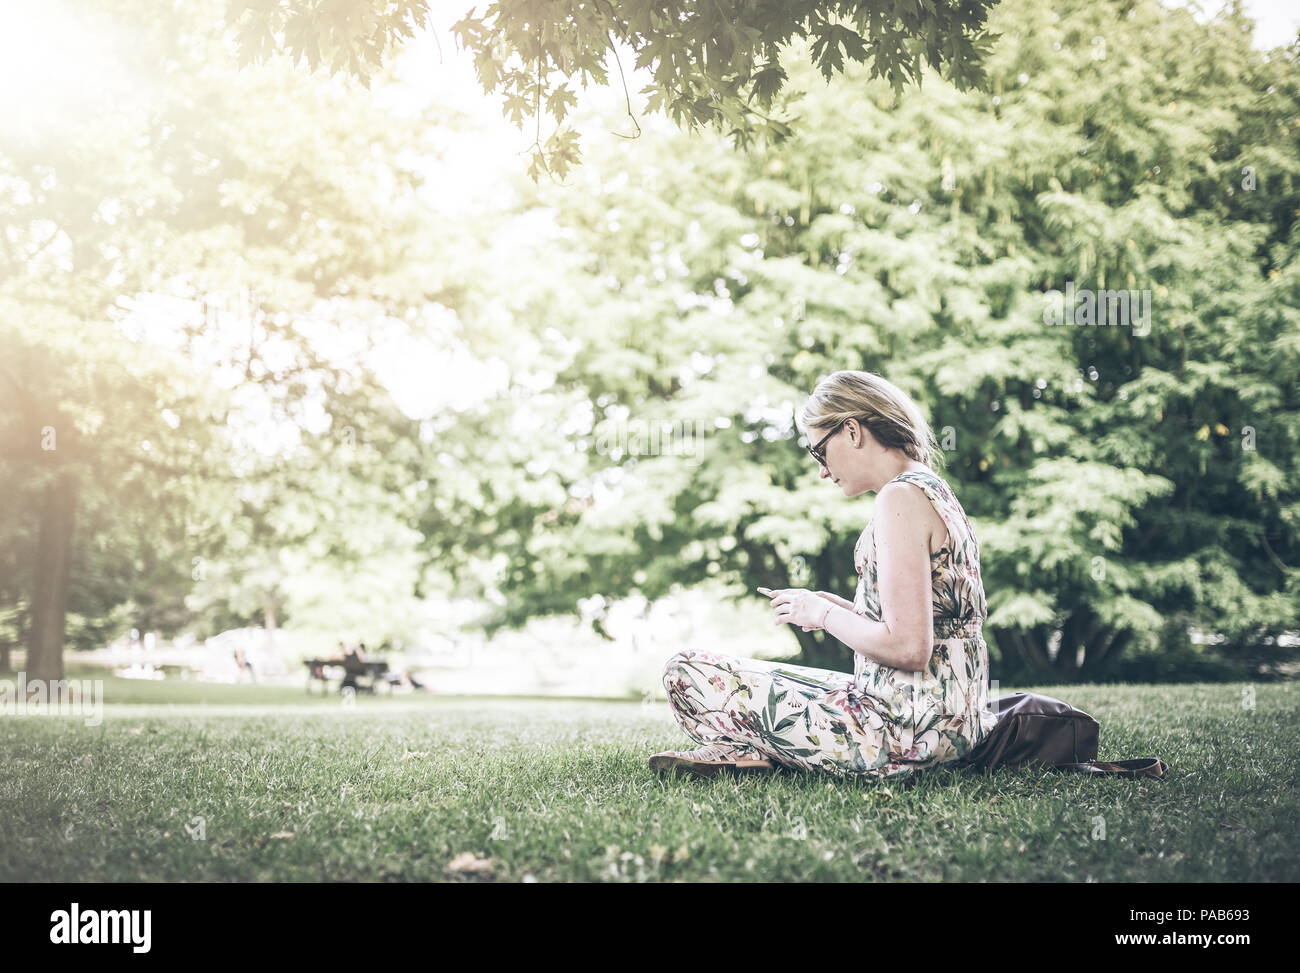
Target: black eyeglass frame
column 817, row 452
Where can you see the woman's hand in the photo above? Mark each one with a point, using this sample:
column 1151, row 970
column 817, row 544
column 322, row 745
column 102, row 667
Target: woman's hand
column 836, row 600
column 798, row 606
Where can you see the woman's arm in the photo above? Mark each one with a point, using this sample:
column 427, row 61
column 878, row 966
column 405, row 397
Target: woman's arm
column 904, row 638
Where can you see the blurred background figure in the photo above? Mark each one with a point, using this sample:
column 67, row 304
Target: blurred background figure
column 244, row 665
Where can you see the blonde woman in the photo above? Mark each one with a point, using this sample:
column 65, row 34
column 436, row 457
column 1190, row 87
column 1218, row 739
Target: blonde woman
column 918, row 693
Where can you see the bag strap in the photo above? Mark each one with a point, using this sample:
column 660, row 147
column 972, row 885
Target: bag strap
column 1143, row 767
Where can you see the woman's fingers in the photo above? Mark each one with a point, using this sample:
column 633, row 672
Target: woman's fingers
column 783, row 603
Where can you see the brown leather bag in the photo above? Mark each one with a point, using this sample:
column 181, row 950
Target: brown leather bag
column 1042, row 730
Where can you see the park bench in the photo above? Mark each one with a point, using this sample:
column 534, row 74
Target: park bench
column 364, row 675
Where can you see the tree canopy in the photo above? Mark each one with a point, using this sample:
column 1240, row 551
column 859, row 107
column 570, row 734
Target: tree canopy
column 720, row 63
column 195, row 288
column 1127, row 484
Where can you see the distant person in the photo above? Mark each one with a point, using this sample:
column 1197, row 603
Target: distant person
column 406, row 680
column 353, row 665
column 244, row 665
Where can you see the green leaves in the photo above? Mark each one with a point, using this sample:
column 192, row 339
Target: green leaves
column 919, row 237
column 704, row 62
column 767, row 83
column 1112, row 477
column 827, row 41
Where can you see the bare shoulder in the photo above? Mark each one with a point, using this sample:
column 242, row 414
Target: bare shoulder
column 902, row 500
column 901, row 496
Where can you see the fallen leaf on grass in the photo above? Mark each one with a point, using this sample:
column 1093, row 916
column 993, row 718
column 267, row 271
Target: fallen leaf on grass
column 279, row 835
column 662, row 855
column 469, row 863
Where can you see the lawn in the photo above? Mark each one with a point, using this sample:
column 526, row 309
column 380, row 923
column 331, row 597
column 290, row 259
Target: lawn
column 202, row 783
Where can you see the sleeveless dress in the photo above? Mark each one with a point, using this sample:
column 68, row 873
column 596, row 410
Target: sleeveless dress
column 878, row 721
column 941, row 712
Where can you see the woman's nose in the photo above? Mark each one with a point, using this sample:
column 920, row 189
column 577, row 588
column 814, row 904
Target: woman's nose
column 825, row 471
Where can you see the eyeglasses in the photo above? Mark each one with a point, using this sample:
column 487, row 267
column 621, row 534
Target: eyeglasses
column 817, row 451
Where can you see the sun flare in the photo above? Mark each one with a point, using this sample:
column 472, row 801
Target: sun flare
column 57, row 64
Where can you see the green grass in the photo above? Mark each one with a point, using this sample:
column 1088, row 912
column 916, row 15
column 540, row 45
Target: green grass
column 559, row 790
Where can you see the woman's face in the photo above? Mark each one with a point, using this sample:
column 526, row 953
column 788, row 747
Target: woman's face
column 850, row 457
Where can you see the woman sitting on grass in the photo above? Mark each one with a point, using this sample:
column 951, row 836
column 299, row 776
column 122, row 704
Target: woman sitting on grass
column 918, row 693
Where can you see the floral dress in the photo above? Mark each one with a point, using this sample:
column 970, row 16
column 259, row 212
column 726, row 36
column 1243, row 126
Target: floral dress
column 878, row 721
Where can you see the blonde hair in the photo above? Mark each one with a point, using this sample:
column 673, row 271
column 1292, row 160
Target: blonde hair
column 881, row 406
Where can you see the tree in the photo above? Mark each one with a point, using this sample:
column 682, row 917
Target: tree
column 1125, row 486
column 712, row 62
column 137, row 379
column 89, row 420
column 925, row 237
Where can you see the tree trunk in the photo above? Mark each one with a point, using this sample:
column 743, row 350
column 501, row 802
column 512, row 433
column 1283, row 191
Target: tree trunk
column 1081, row 630
column 1065, row 665
column 1110, row 647
column 53, row 559
column 1028, row 647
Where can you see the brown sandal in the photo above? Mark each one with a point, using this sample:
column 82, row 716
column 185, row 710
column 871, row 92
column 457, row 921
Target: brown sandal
column 707, row 761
